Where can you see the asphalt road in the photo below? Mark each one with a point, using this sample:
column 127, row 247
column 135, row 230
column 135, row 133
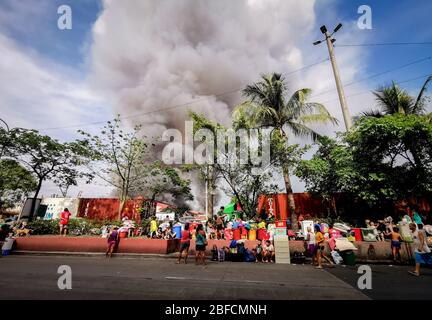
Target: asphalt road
column 35, row 277
column 390, row 282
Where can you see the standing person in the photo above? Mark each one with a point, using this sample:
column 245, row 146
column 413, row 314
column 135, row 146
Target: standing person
column 422, row 251
column 219, row 227
column 153, row 227
column 395, row 243
column 201, row 242
column 64, row 221
column 184, row 243
column 310, row 238
column 415, row 214
column 319, row 247
column 112, row 241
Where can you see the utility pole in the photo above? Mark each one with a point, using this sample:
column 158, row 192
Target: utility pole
column 343, row 103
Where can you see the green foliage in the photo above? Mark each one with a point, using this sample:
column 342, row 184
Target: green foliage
column 76, row 226
column 381, row 160
column 44, row 227
column 15, row 183
column 45, row 158
column 126, row 165
column 121, row 154
column 395, row 100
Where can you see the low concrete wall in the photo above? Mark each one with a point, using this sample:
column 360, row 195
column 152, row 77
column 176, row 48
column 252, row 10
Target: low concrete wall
column 94, row 244
column 367, row 251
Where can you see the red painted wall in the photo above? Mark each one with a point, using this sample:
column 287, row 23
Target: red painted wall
column 94, row 244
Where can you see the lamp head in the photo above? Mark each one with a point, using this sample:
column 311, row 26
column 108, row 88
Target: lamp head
column 338, row 27
column 323, row 29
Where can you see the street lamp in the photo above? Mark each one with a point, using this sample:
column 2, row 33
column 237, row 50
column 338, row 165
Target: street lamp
column 329, row 40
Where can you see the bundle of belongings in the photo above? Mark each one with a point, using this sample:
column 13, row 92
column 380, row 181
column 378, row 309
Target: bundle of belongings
column 343, row 244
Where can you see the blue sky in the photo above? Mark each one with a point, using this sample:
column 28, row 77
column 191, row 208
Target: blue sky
column 55, row 78
column 392, row 21
column 37, row 28
column 34, row 28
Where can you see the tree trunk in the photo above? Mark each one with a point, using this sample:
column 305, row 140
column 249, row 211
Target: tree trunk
column 290, row 194
column 210, row 202
column 121, row 205
column 33, row 203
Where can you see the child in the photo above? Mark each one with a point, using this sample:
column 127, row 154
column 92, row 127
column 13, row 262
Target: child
column 215, row 253
column 259, row 251
column 268, row 252
column 395, row 243
column 112, row 242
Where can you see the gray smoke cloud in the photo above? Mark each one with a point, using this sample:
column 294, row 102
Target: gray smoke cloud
column 152, row 55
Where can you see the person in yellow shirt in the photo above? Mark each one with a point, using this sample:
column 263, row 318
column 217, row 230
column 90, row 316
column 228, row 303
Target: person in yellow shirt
column 261, row 223
column 319, row 247
column 153, row 227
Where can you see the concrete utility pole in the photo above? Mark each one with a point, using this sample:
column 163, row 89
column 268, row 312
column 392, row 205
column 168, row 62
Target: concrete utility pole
column 330, row 41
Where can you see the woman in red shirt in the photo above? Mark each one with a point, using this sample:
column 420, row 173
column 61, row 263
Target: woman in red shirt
column 184, row 243
column 64, row 221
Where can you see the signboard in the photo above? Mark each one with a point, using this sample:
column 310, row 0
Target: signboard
column 305, row 224
column 55, row 206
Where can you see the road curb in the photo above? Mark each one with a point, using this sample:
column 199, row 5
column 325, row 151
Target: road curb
column 158, row 256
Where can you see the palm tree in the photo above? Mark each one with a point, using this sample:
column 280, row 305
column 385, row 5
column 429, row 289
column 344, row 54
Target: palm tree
column 268, row 105
column 394, row 100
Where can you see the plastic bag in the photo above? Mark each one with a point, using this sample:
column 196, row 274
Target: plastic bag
column 336, row 257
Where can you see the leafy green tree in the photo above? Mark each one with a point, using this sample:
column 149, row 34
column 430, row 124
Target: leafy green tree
column 118, row 157
column 123, row 160
column 380, row 161
column 47, row 158
column 396, row 153
column 16, row 182
column 331, row 169
column 164, row 181
column 245, row 181
column 269, row 105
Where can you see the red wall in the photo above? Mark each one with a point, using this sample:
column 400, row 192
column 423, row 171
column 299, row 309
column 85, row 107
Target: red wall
column 107, row 209
column 94, row 244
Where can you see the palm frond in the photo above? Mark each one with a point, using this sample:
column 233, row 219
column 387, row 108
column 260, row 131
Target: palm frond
column 418, row 107
column 301, row 130
column 372, row 114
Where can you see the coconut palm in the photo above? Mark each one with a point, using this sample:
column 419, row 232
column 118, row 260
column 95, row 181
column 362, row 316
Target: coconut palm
column 269, row 105
column 394, row 100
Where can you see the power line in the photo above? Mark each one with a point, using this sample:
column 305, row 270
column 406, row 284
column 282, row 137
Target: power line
column 369, row 91
column 383, row 44
column 376, row 75
column 177, row 105
column 230, row 92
